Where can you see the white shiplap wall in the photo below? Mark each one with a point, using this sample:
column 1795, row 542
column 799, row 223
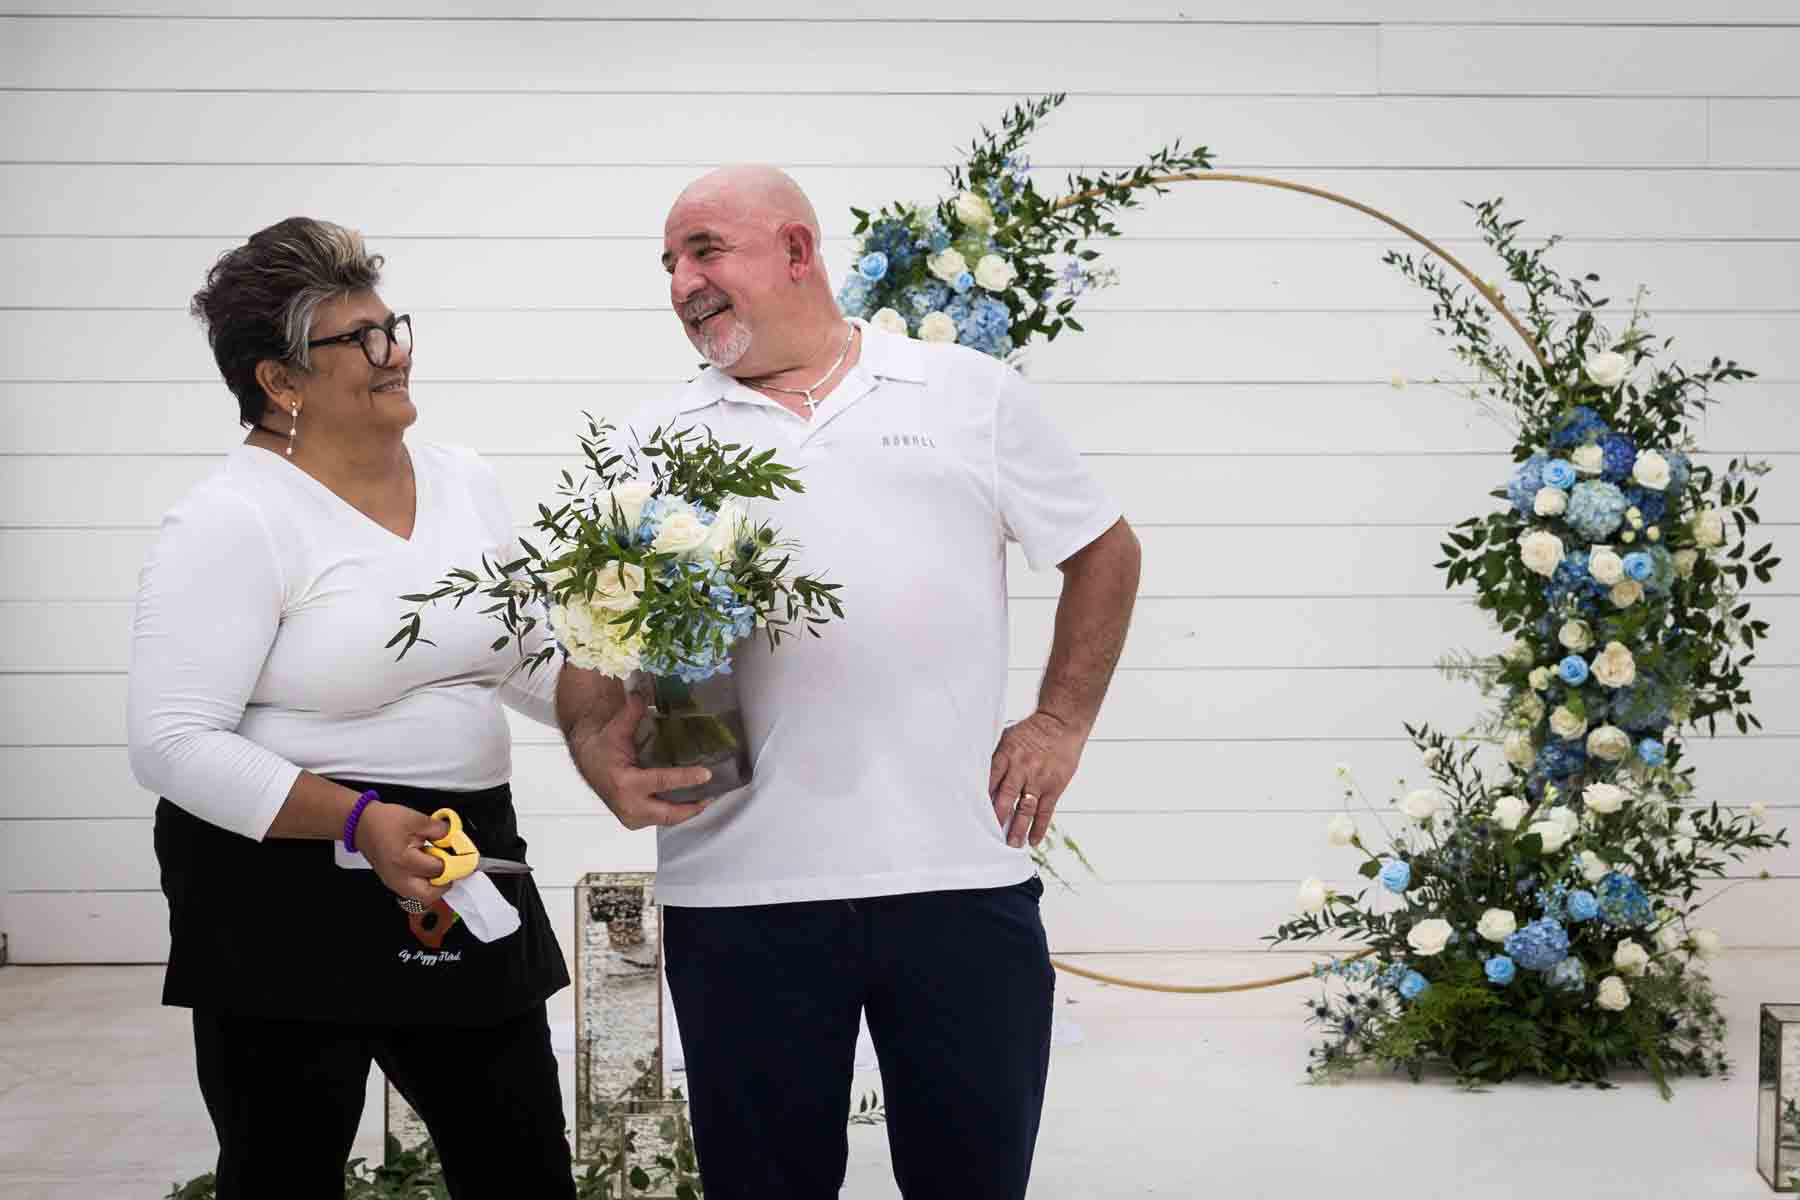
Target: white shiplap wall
column 1233, row 391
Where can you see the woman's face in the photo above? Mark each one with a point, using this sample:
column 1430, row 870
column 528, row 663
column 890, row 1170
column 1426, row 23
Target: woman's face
column 346, row 393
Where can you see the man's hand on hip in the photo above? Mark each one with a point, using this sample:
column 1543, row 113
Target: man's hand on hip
column 1032, row 765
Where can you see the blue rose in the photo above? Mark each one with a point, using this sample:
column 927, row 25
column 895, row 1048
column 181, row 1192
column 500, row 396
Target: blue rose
column 1500, row 969
column 1573, row 670
column 1652, row 751
column 964, row 282
column 1582, row 905
column 1413, row 985
column 1559, row 473
column 873, row 266
column 1639, row 566
column 1396, row 875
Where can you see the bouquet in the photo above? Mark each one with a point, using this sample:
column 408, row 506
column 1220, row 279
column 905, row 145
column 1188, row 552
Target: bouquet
column 654, row 569
column 1544, row 921
column 997, row 262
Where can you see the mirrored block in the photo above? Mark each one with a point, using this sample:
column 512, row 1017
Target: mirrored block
column 618, row 1009
column 1778, row 1097
column 643, row 1150
column 403, row 1128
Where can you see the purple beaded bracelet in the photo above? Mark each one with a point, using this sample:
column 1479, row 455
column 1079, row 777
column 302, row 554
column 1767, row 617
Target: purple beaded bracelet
column 356, row 813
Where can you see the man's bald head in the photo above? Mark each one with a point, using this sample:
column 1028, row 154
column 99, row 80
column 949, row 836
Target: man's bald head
column 754, row 192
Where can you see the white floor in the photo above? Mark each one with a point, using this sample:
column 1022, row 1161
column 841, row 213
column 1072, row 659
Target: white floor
column 1162, row 1095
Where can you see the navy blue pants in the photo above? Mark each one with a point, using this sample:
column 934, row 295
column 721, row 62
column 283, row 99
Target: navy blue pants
column 957, row 986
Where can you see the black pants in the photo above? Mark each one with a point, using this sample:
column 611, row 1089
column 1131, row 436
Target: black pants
column 286, row 1097
column 957, row 986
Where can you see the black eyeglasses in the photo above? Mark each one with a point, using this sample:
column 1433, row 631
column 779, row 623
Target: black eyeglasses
column 377, row 341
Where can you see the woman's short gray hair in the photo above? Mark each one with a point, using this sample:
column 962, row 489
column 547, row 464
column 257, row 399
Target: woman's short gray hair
column 260, row 299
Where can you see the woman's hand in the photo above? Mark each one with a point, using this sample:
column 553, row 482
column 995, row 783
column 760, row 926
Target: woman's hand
column 390, row 836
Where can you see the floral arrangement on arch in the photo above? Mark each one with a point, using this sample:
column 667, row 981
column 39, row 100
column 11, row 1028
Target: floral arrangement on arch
column 995, row 263
column 1545, row 920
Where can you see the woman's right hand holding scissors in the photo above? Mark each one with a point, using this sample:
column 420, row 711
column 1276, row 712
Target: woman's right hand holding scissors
column 390, row 836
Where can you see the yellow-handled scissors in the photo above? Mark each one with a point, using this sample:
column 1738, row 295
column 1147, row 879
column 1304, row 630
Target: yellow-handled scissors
column 460, row 857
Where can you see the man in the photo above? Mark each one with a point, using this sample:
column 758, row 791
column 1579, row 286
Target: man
column 877, row 863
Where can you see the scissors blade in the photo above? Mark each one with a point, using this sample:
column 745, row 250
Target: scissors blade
column 502, row 866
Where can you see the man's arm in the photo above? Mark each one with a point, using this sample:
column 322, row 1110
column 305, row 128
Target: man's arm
column 598, row 719
column 1037, row 757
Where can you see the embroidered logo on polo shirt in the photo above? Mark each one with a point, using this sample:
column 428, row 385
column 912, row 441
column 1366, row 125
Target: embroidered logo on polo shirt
column 908, row 439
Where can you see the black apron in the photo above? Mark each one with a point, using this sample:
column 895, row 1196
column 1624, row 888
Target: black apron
column 277, row 929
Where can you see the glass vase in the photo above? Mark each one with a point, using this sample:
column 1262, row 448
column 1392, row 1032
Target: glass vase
column 695, row 725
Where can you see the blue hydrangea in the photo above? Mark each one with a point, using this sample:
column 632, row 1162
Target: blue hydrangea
column 1652, row 751
column 985, row 325
column 1559, row 759
column 1641, row 706
column 1539, row 945
column 1578, row 426
column 1567, row 976
column 1681, row 467
column 1396, row 875
column 1662, row 571
column 1623, row 903
column 853, row 297
column 1618, row 455
column 1500, row 969
column 1582, row 905
column 1572, row 581
column 1524, row 484
column 1413, row 985
column 1559, row 473
column 1573, row 670
column 1595, row 509
column 1553, row 902
column 1652, row 506
column 936, row 239
column 893, row 239
column 926, row 298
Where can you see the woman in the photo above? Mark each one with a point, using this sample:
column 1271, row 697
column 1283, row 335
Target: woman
column 267, row 713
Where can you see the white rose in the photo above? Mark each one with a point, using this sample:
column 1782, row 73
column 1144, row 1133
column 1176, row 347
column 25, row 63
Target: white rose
column 723, row 536
column 1421, row 805
column 631, row 497
column 973, row 211
column 1670, row 937
column 1497, row 924
column 995, row 273
column 1554, row 836
column 889, row 320
column 1341, row 830
column 1509, row 811
column 1603, row 797
column 1685, row 561
column 947, row 266
column 1613, row 995
column 1608, row 743
column 1429, row 936
column 1550, row 502
column 681, row 532
column 937, row 327
column 1540, row 678
column 1565, row 724
column 1709, row 527
column 1605, row 565
column 1588, row 460
column 1312, row 896
column 1608, row 368
column 1651, row 469
column 1593, row 867
column 1575, row 635
column 1708, row 943
column 616, row 587
column 1684, row 847
column 1626, row 593
column 1518, row 749
column 1530, row 709
column 1631, row 958
column 1614, row 667
column 1541, row 551
column 1564, row 816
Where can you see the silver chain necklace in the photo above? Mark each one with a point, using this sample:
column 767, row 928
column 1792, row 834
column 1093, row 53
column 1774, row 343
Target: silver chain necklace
column 811, row 404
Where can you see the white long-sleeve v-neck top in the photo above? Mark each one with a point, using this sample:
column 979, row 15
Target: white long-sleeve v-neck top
column 259, row 644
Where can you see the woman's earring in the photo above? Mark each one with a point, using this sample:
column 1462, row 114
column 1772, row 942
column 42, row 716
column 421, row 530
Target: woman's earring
column 294, row 410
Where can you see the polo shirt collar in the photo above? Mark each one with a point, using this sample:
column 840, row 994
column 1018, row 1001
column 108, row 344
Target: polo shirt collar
column 884, row 356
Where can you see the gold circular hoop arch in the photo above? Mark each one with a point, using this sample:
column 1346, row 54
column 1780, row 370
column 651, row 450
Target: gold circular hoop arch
column 1487, row 293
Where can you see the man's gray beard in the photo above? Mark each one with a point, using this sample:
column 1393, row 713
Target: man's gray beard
column 724, row 352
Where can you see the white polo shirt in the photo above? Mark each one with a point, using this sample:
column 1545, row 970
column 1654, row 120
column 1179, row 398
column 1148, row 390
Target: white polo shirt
column 871, row 744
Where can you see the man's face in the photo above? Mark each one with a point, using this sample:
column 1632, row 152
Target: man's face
column 725, row 275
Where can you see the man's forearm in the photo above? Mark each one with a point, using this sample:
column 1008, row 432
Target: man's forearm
column 1099, row 588
column 585, row 702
